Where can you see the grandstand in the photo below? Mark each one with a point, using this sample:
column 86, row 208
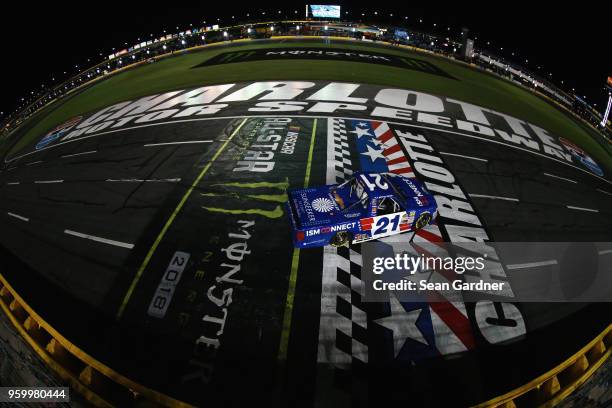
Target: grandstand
column 168, row 44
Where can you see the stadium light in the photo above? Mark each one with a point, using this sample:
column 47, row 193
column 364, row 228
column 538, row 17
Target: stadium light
column 607, row 113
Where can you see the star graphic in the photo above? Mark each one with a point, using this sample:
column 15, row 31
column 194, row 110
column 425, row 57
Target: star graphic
column 373, row 154
column 362, row 124
column 402, row 324
column 376, row 142
column 361, row 132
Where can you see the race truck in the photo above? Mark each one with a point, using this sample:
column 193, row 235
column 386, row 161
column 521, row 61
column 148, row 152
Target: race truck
column 366, row 207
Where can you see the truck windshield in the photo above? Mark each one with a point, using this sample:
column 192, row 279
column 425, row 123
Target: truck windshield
column 358, row 193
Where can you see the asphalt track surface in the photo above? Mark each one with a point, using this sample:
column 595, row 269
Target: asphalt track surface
column 97, row 222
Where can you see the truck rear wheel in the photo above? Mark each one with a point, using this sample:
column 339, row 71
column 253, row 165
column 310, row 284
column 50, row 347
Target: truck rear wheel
column 340, row 239
column 423, row 220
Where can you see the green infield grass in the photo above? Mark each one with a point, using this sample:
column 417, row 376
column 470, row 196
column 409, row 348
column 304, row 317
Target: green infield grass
column 167, row 74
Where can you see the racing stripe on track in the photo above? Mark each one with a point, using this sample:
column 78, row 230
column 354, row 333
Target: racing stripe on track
column 396, row 160
column 288, row 314
column 451, row 322
column 338, row 153
column 343, row 323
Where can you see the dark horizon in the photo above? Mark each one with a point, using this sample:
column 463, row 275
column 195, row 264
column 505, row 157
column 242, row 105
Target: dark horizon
column 567, row 43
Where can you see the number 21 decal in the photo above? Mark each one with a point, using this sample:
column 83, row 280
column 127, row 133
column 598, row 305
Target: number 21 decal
column 383, row 222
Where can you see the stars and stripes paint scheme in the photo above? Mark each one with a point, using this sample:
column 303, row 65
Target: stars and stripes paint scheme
column 354, row 334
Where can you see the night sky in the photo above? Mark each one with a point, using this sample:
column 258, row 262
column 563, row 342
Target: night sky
column 41, row 41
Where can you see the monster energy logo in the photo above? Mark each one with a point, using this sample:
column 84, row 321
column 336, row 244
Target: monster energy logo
column 325, row 54
column 268, row 196
column 227, row 58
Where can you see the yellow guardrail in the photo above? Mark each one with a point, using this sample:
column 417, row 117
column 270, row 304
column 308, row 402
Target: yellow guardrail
column 98, row 383
column 104, row 387
column 557, row 384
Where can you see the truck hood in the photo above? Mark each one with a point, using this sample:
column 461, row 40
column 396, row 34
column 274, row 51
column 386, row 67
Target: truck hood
column 318, row 206
column 414, row 191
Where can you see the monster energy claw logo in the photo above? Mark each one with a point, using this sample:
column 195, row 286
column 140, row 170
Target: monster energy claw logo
column 268, row 197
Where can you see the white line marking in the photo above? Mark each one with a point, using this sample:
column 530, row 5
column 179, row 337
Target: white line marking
column 48, row 181
column 532, row 264
column 173, row 180
column 178, row 143
column 33, row 163
column 604, row 191
column 18, row 217
column 98, row 239
column 465, row 157
column 314, row 117
column 605, row 252
column 14, row 183
column 78, row 154
column 561, row 178
column 571, row 207
column 493, row 197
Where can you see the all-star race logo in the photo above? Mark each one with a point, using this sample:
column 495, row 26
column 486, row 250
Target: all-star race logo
column 57, row 132
column 582, row 157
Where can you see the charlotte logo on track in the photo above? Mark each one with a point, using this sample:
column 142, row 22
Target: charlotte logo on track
column 57, row 132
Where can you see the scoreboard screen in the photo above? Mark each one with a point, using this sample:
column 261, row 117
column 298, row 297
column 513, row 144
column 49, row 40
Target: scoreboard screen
column 324, row 11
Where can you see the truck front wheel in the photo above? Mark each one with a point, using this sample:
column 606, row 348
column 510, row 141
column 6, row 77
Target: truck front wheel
column 423, row 220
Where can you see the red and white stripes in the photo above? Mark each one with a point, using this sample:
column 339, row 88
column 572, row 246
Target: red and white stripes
column 396, row 160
